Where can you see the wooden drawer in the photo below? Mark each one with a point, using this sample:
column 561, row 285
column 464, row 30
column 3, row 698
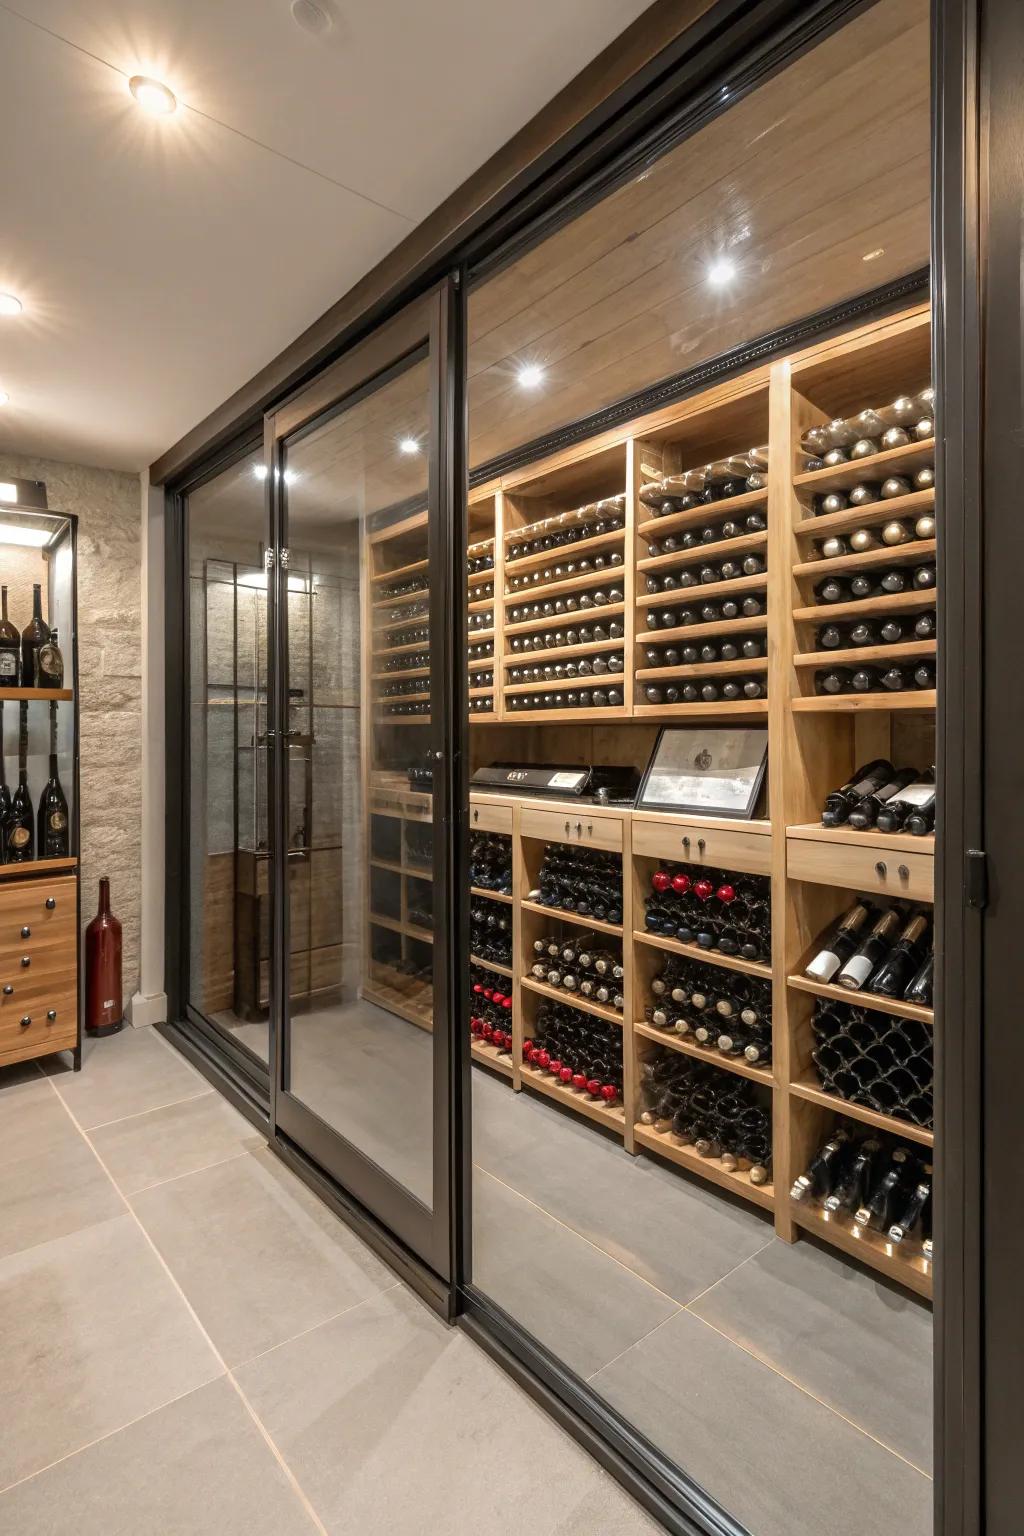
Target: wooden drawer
column 716, row 847
column 579, row 826
column 20, row 1041
column 490, row 818
column 46, row 908
column 867, row 867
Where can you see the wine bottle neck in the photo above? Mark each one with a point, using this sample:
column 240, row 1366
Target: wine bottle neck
column 3, row 603
column 104, row 906
column 37, row 603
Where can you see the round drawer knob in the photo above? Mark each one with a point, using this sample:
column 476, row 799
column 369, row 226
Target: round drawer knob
column 25, row 1021
column 701, row 845
column 880, row 868
column 51, row 1014
column 51, row 902
column 26, row 933
column 904, row 872
column 26, row 961
column 8, row 990
column 686, row 844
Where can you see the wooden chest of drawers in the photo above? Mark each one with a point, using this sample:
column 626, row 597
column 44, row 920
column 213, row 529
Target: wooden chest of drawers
column 38, row 967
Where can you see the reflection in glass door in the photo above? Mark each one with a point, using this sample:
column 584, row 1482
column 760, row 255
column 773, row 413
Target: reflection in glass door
column 362, row 1071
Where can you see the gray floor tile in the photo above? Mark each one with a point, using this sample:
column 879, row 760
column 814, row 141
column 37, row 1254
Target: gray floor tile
column 678, row 1234
column 124, row 1075
column 573, row 1297
column 258, row 1256
column 862, row 1348
column 33, row 1118
column 779, row 1461
column 199, row 1464
column 179, row 1139
column 395, row 1424
column 52, row 1193
column 93, row 1336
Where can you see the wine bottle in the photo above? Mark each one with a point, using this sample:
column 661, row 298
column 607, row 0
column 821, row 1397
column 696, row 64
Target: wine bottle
column 18, row 825
column 865, row 781
column 915, row 1207
column 53, row 839
column 865, row 812
column 899, row 965
column 35, row 634
column 823, row 1173
column 10, row 648
column 5, row 793
column 920, row 989
column 104, row 1010
column 918, row 796
column 871, row 953
column 840, row 948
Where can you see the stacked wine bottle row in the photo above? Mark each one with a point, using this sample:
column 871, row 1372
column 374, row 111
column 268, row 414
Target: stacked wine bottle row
column 909, row 419
column 897, row 532
column 585, row 881
column 713, row 909
column 31, row 830
column 884, row 952
column 883, row 1062
column 897, row 629
column 490, row 862
column 490, row 1010
column 721, row 1116
column 580, row 963
column 580, row 1052
column 882, row 797
column 722, row 480
column 873, row 1182
column 490, row 932
column 32, row 657
column 564, row 528
column 721, row 1010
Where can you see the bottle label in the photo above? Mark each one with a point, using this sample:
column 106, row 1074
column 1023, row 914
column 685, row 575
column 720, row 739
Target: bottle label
column 823, row 967
column 857, row 970
column 57, row 821
column 49, row 666
column 8, row 664
column 19, row 837
column 917, row 794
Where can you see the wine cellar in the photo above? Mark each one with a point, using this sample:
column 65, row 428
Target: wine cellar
column 799, row 596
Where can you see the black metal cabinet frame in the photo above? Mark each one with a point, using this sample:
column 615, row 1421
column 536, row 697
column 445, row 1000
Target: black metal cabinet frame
column 978, row 138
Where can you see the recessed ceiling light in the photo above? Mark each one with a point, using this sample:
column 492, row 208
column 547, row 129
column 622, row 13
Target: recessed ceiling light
column 530, row 375
column 260, row 471
column 152, row 95
column 408, row 445
column 721, row 272
column 874, row 255
column 9, row 305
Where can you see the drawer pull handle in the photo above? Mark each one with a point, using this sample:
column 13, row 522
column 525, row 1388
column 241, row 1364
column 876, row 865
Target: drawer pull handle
column 25, row 1021
column 567, row 826
column 590, row 829
column 904, row 872
column 51, row 902
column 51, row 1014
column 26, row 961
column 579, row 828
column 701, row 845
column 880, row 868
column 476, row 814
column 8, row 990
column 26, row 933
column 686, row 844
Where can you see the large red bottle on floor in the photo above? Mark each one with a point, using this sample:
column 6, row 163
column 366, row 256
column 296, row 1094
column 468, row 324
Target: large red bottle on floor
column 104, row 1011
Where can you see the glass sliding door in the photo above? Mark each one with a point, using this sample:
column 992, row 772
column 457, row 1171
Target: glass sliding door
column 229, row 888
column 362, row 635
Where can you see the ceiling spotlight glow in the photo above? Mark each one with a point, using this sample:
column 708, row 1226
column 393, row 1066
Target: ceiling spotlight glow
column 290, row 476
column 721, row 272
column 9, row 305
column 152, row 95
column 30, row 538
column 530, row 375
column 874, row 255
column 408, row 445
column 260, row 471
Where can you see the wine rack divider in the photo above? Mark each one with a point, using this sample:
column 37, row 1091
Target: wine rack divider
column 814, row 743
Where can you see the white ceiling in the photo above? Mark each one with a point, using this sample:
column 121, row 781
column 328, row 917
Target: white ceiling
column 163, row 261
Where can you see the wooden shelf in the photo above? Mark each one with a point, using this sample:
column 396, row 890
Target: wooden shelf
column 555, row 914
column 477, row 578
column 37, row 867
column 749, row 707
column 490, row 1056
column 815, row 1094
column 395, row 925
column 580, row 582
column 866, row 607
column 395, row 673
column 589, row 546
column 738, row 1065
column 613, row 1116
column 399, row 650
column 401, row 571
column 560, row 684
column 581, row 616
column 706, row 956
column 708, row 512
column 707, row 668
column 872, row 1000
column 739, row 626
column 905, row 649
column 397, row 1002
column 474, row 636
column 666, row 1145
column 606, row 714
column 37, row 695
column 492, row 965
column 572, row 999
column 721, row 549
column 553, row 652
column 888, row 842
column 874, row 1248
column 479, row 890
column 484, row 664
column 870, row 516
column 854, row 703
column 866, row 471
column 912, row 552
column 688, row 595
column 485, row 691
column 391, row 865
column 382, row 719
column 421, row 594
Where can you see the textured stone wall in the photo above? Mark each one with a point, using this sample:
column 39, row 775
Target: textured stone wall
column 107, row 504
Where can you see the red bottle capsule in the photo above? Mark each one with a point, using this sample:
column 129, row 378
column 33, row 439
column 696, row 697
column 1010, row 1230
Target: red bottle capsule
column 680, row 883
column 703, row 890
column 489, row 994
column 542, row 1058
column 661, row 880
column 474, row 1026
column 593, row 1087
column 487, row 1031
column 554, row 1065
column 726, row 893
column 527, row 1046
column 566, row 1074
column 578, row 1080
column 478, row 987
column 506, row 1002
column 609, row 1092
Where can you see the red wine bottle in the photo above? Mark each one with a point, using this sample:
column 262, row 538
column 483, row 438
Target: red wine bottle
column 104, row 1011
column 831, row 958
column 861, row 966
column 902, row 961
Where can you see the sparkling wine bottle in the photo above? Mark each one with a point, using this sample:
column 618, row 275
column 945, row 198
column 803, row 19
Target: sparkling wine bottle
column 10, row 647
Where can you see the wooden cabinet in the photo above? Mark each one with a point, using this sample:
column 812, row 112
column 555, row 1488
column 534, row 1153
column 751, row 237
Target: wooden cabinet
column 38, row 967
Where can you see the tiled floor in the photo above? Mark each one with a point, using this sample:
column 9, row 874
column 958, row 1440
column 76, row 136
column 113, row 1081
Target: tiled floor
column 191, row 1343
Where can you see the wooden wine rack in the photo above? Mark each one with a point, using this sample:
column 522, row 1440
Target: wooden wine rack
column 815, row 741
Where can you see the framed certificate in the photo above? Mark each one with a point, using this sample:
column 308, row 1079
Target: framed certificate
column 706, row 771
